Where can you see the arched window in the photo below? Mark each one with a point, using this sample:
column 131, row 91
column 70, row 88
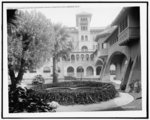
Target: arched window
column 72, row 58
column 84, row 48
column 89, row 71
column 70, row 71
column 80, row 71
column 86, row 38
column 77, row 57
column 87, row 57
column 46, row 70
column 98, row 70
column 82, row 37
column 92, row 57
column 82, row 57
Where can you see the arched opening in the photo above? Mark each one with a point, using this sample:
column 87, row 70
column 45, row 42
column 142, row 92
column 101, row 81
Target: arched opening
column 117, row 65
column 89, row 71
column 70, row 71
column 87, row 57
column 80, row 71
column 92, row 57
column 82, row 57
column 98, row 70
column 86, row 38
column 72, row 58
column 46, row 70
column 84, row 48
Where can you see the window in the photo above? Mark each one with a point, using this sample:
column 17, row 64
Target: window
column 46, row 70
column 92, row 57
column 82, row 37
column 86, row 38
column 104, row 45
column 87, row 57
column 32, row 70
column 84, row 48
column 123, row 24
column 82, row 57
column 72, row 58
column 70, row 71
column 83, row 28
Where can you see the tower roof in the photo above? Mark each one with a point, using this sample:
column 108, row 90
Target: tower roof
column 83, row 13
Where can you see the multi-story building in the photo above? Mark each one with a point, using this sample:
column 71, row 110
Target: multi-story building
column 120, row 52
column 80, row 63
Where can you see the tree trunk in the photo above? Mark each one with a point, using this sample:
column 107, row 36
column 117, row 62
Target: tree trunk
column 21, row 71
column 16, row 80
column 12, row 77
column 55, row 80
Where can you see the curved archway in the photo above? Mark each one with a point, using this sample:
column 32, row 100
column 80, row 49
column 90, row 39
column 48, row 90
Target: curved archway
column 70, row 71
column 118, row 59
column 82, row 57
column 72, row 57
column 46, row 70
column 92, row 57
column 89, row 71
column 80, row 71
column 98, row 70
column 87, row 57
column 84, row 48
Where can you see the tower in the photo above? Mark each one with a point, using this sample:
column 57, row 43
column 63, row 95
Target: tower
column 83, row 21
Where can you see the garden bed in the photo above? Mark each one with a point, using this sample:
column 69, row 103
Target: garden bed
column 76, row 92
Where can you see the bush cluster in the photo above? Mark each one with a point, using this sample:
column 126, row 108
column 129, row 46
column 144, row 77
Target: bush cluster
column 135, row 86
column 22, row 100
column 69, row 78
column 38, row 79
column 70, row 93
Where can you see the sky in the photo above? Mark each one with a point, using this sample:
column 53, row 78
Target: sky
column 65, row 13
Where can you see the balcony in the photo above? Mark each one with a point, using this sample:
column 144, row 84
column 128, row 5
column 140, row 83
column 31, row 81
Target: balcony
column 130, row 34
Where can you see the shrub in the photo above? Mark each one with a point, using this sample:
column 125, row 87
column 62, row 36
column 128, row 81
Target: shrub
column 69, row 78
column 38, row 79
column 75, row 92
column 23, row 100
column 135, row 86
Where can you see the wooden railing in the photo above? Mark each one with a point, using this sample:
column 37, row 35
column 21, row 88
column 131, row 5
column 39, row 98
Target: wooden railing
column 129, row 33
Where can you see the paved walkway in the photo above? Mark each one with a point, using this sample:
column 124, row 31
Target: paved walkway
column 123, row 99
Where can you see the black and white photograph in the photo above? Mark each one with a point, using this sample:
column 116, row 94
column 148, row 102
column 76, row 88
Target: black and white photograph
column 74, row 59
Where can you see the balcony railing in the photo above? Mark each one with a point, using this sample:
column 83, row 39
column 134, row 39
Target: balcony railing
column 129, row 33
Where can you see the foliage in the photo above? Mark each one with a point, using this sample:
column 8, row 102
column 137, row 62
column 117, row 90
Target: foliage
column 69, row 93
column 62, row 45
column 29, row 43
column 22, row 100
column 69, row 78
column 38, row 79
column 135, row 86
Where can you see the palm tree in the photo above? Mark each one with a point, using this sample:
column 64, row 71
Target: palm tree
column 61, row 46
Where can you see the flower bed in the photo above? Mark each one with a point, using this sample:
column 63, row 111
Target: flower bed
column 77, row 92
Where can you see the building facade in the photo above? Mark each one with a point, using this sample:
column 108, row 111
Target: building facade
column 121, row 48
column 80, row 63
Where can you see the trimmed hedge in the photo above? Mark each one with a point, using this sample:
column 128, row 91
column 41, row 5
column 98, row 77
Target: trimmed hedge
column 83, row 92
